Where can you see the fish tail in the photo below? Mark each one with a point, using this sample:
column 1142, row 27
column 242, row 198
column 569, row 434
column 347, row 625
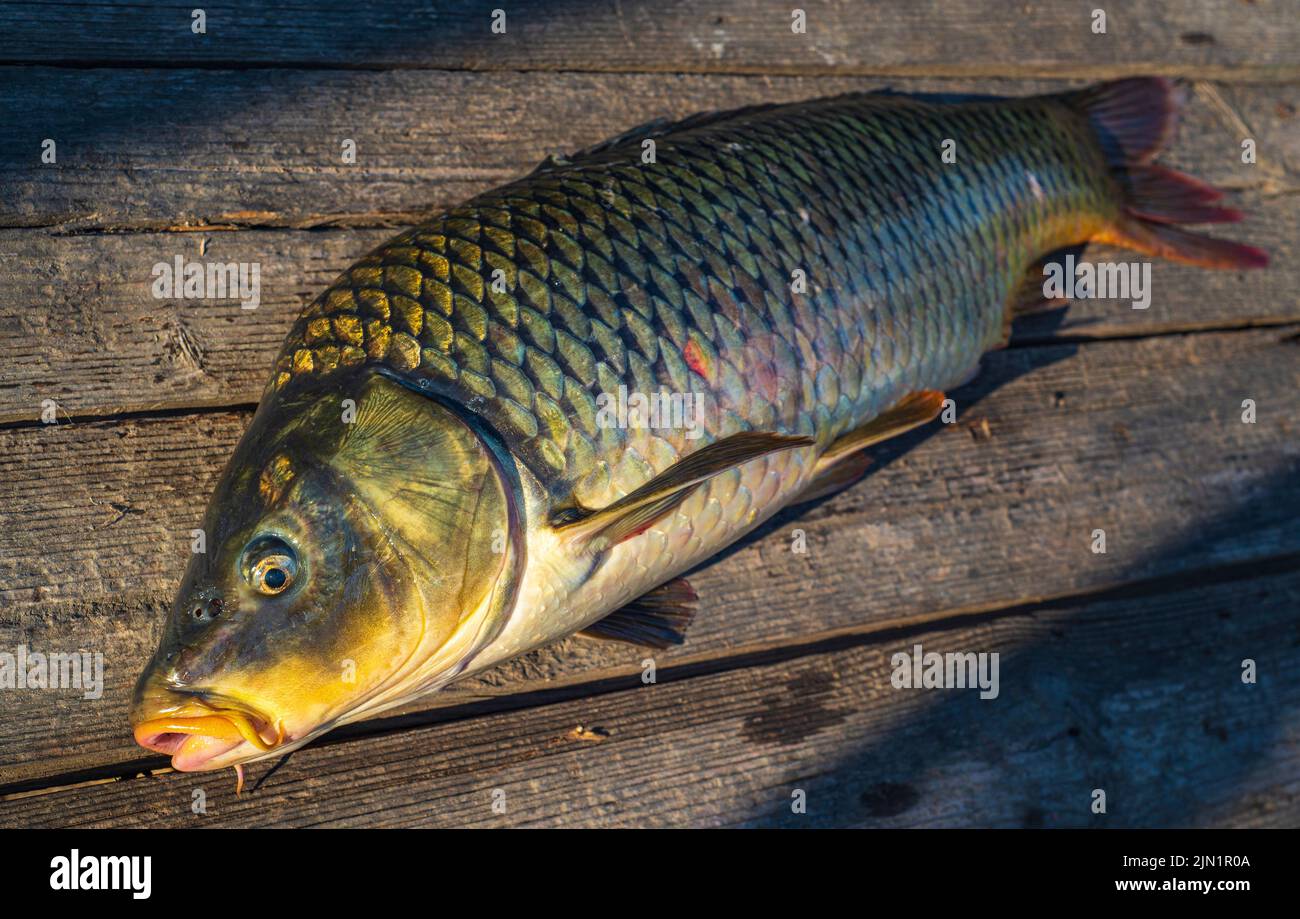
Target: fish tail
column 1133, row 120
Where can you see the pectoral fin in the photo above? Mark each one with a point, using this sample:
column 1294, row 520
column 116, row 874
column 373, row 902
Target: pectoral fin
column 658, row 619
column 636, row 512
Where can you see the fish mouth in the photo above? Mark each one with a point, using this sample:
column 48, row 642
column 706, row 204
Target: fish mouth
column 196, row 736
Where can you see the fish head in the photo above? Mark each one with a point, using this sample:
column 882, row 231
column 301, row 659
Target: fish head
column 359, row 548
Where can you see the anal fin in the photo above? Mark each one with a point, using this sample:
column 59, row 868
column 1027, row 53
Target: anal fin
column 658, row 619
column 1029, row 296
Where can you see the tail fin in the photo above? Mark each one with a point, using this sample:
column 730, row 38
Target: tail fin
column 1133, row 120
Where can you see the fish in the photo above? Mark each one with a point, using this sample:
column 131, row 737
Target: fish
column 530, row 416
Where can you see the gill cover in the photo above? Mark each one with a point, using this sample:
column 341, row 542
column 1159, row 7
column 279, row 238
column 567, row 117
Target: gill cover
column 446, row 496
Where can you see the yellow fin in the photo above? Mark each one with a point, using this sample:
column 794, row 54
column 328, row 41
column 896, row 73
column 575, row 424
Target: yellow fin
column 912, row 411
column 636, row 512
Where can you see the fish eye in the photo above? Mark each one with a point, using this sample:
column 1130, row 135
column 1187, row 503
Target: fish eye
column 270, row 565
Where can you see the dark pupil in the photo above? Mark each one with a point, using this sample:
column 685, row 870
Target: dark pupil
column 275, row 578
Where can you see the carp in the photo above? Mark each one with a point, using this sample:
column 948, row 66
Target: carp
column 529, row 416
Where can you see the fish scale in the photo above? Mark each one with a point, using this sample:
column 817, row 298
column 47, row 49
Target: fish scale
column 678, row 274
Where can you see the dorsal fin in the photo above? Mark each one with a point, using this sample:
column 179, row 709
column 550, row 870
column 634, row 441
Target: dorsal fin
column 656, row 127
column 637, row 511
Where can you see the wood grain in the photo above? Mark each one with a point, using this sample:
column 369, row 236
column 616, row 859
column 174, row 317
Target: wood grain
column 1140, row 696
column 85, row 330
column 150, row 149
column 1119, row 671
column 79, row 323
column 1223, row 38
column 1142, row 438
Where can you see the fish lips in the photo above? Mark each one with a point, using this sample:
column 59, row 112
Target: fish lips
column 199, row 737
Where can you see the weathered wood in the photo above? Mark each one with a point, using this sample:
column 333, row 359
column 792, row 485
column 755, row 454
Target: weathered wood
column 1128, row 681
column 1141, row 438
column 1139, row 695
column 79, row 324
column 982, row 37
column 149, row 149
column 85, row 330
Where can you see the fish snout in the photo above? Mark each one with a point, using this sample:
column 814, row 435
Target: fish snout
column 195, row 731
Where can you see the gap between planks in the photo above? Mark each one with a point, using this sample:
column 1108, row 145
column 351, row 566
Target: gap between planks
column 1266, row 75
column 592, row 684
column 1021, row 340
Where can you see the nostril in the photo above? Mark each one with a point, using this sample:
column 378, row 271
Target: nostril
column 205, row 612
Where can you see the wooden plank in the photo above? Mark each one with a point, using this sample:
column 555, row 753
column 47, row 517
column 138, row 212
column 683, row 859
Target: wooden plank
column 160, row 149
column 983, row 37
column 1142, row 438
column 78, row 322
column 1139, row 695
column 85, row 330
